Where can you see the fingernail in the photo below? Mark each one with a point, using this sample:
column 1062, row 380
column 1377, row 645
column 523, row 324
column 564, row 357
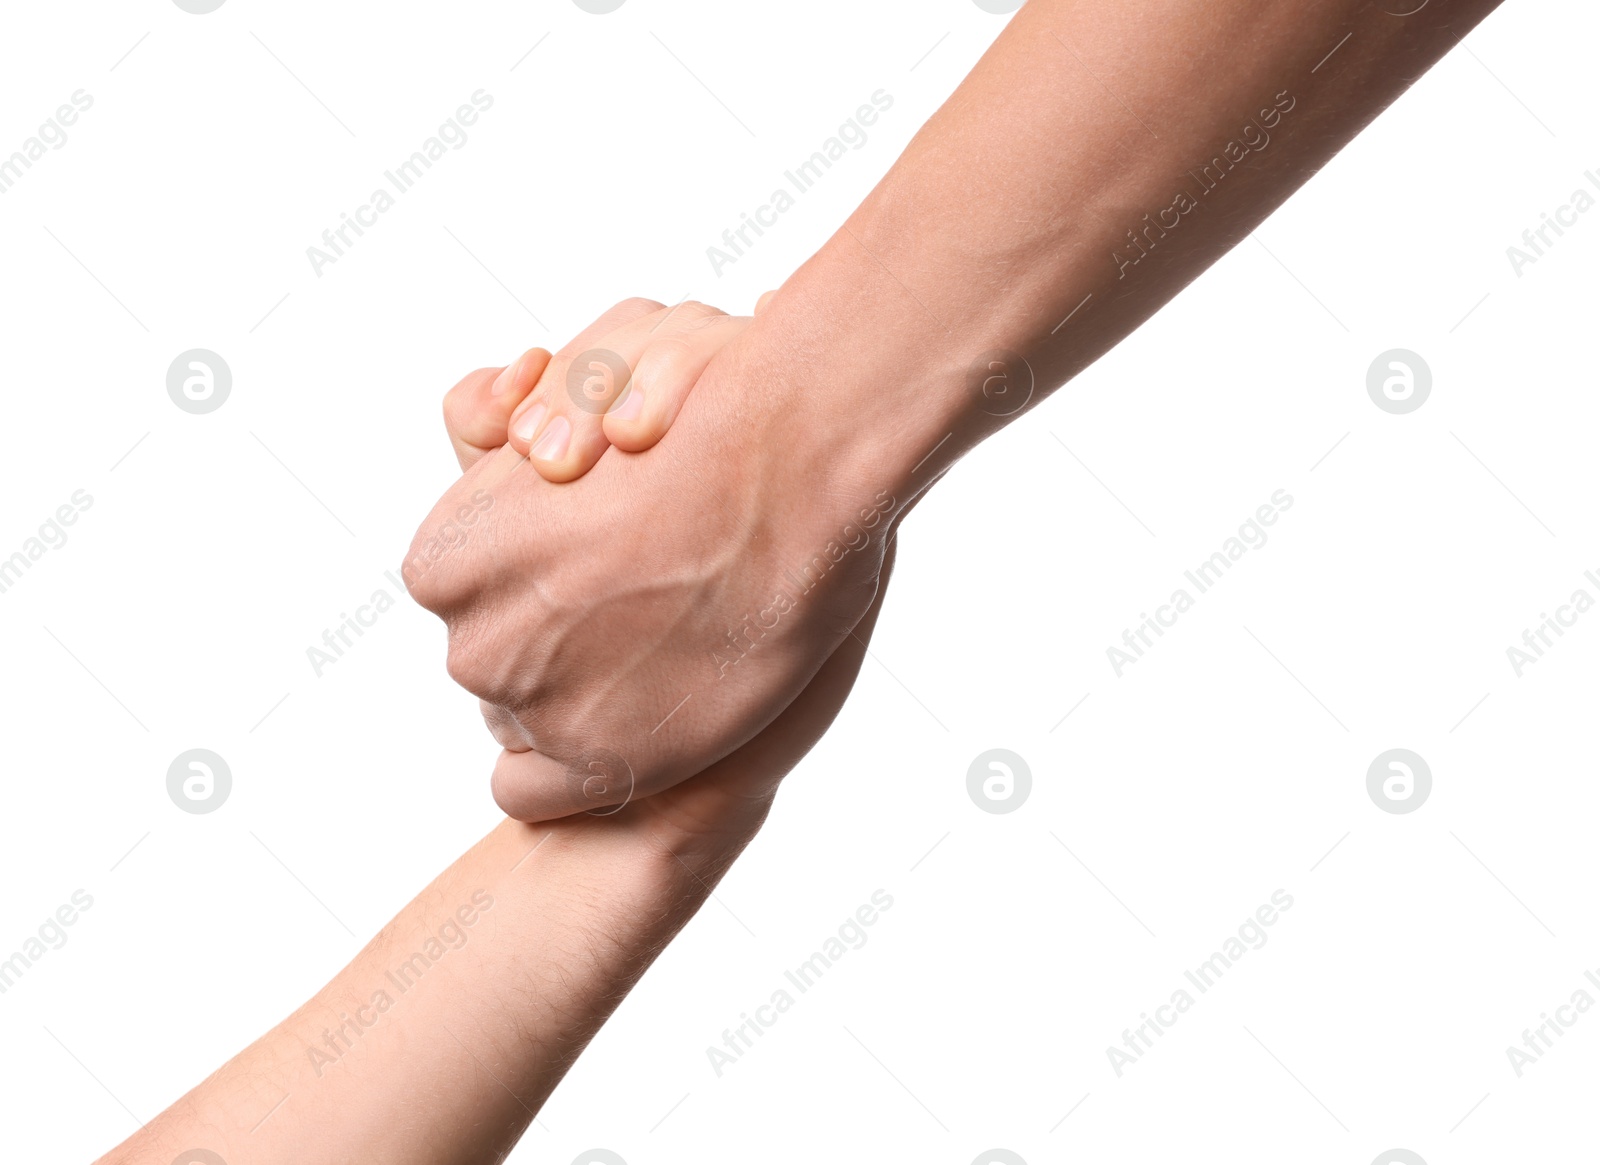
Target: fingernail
column 631, row 404
column 507, row 375
column 528, row 423
column 552, row 445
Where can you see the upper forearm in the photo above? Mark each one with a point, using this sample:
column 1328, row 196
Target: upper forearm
column 1095, row 161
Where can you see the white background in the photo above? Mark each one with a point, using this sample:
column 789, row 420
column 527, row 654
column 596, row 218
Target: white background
column 1223, row 766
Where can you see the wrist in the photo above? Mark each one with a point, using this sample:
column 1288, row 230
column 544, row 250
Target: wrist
column 641, row 859
column 886, row 392
column 834, row 391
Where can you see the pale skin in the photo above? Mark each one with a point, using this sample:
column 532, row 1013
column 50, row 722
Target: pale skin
column 663, row 349
column 527, row 943
column 664, row 608
column 584, row 624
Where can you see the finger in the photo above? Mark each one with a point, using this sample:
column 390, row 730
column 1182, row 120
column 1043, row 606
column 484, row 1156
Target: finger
column 530, row 786
column 466, row 436
column 570, row 436
column 477, row 411
column 529, row 415
column 766, row 298
column 663, row 376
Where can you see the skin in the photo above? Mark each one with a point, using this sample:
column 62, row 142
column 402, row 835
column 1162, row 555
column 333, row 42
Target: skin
column 541, row 931
column 582, row 620
column 662, row 350
column 649, row 620
column 624, row 390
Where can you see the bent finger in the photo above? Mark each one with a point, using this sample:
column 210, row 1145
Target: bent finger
column 477, row 411
column 664, row 375
column 528, row 416
column 569, row 436
column 530, row 786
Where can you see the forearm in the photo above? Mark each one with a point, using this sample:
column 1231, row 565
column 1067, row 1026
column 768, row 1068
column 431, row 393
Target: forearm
column 443, row 1037
column 1095, row 161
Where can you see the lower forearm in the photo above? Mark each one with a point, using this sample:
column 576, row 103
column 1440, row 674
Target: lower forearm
column 443, row 1037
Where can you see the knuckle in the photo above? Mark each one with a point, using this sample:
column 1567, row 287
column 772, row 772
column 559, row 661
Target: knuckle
column 506, row 729
column 463, row 387
column 454, row 410
column 486, row 658
column 695, row 312
column 433, row 571
column 466, row 666
column 637, row 305
column 425, row 585
column 667, row 363
column 463, row 414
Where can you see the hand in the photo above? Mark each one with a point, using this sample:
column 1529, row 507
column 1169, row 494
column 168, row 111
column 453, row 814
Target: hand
column 714, row 815
column 639, row 624
column 581, row 908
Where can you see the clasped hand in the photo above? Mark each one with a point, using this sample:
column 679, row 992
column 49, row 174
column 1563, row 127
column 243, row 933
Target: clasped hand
column 659, row 563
